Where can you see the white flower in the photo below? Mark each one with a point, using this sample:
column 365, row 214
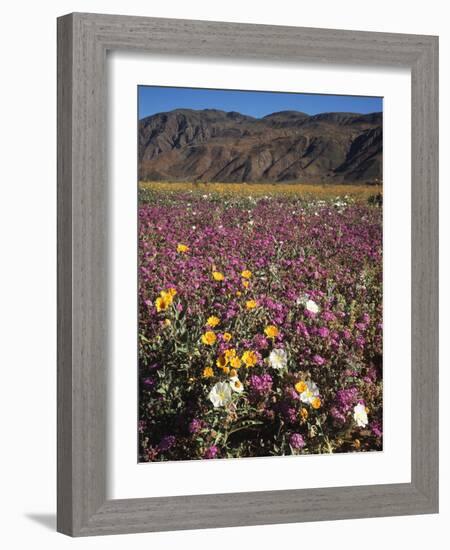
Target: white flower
column 310, row 393
column 312, row 306
column 220, row 394
column 278, row 358
column 360, row 415
column 236, row 384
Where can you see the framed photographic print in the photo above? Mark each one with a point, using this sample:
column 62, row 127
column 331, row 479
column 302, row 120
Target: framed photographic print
column 247, row 269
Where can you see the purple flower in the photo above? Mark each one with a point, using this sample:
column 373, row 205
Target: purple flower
column 296, row 441
column 167, row 442
column 260, row 342
column 149, row 382
column 302, row 330
column 318, row 360
column 289, row 413
column 346, row 398
column 337, row 415
column 346, row 334
column 142, row 425
column 328, row 316
column 195, row 426
column 211, row 452
column 260, row 385
column 323, row 332
column 376, row 428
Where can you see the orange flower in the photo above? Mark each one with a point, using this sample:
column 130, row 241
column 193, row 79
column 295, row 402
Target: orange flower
column 301, row 386
column 316, row 402
column 235, row 362
column 208, row 372
column 304, row 414
column 209, row 338
column 227, row 336
column 249, row 358
column 271, row 331
column 162, row 303
column 229, row 354
column 221, row 361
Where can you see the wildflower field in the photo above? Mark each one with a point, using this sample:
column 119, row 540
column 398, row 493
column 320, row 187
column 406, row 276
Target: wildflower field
column 260, row 320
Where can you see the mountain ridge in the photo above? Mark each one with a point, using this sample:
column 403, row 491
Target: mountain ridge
column 284, row 146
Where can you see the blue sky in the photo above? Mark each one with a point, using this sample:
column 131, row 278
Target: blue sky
column 156, row 99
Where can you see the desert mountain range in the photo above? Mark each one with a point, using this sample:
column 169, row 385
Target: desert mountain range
column 287, row 146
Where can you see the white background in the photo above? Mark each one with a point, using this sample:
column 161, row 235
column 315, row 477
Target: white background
column 130, row 480
column 27, row 299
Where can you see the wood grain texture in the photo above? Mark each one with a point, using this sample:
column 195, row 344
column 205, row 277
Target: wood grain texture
column 83, row 206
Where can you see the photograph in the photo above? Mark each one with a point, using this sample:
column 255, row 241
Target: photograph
column 260, row 274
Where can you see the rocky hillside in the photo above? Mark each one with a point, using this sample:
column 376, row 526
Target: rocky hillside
column 289, row 146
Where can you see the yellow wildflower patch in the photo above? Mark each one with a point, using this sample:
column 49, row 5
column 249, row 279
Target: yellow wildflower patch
column 251, row 304
column 235, row 362
column 218, row 276
column 162, row 303
column 249, row 358
column 208, row 372
column 182, row 248
column 213, row 321
column 221, row 361
column 301, row 386
column 316, row 403
column 271, row 331
column 209, row 338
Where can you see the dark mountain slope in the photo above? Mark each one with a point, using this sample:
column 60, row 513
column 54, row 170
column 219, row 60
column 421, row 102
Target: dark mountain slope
column 212, row 145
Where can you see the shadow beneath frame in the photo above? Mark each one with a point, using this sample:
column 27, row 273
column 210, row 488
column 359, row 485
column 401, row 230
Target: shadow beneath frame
column 46, row 520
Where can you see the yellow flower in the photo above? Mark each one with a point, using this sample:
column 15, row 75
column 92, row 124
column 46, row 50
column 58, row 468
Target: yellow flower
column 208, row 372
column 229, row 354
column 167, row 295
column 238, row 293
column 251, row 304
column 227, row 336
column 271, row 331
column 233, row 372
column 218, row 276
column 246, row 274
column 249, row 358
column 245, row 284
column 182, row 248
column 209, row 338
column 167, row 322
column 162, row 303
column 301, row 386
column 213, row 321
column 221, row 361
column 226, row 370
column 304, row 414
column 316, row 402
column 235, row 362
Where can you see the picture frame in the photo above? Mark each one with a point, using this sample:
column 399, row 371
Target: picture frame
column 83, row 42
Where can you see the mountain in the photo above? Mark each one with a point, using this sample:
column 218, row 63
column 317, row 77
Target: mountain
column 288, row 146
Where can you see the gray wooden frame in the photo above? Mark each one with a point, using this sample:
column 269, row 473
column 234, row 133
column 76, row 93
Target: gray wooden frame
column 83, row 41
